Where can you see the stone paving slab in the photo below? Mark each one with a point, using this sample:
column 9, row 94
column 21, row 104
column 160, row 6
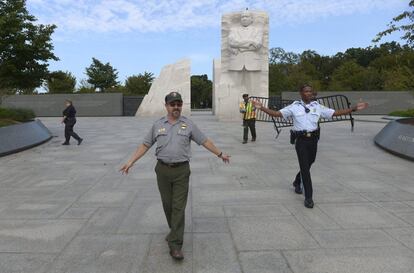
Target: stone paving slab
column 68, row 209
column 24, row 263
column 352, row 260
column 102, row 253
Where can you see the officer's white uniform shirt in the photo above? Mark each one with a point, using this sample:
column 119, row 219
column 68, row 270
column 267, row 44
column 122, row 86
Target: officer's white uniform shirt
column 303, row 121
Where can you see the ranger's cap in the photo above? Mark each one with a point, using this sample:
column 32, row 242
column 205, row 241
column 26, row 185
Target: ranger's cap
column 173, row 96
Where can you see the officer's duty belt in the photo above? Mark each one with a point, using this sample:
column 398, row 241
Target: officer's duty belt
column 173, row 165
column 306, row 134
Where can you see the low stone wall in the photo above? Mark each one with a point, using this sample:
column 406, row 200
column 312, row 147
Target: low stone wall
column 89, row 105
column 380, row 102
column 15, row 138
column 397, row 137
column 131, row 105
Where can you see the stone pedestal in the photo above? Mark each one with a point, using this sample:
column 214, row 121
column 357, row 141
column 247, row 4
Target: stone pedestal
column 173, row 77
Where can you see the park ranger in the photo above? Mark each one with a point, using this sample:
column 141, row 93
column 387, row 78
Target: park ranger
column 173, row 134
column 305, row 133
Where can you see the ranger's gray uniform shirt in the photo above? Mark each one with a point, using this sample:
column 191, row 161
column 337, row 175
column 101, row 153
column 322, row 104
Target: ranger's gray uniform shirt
column 174, row 140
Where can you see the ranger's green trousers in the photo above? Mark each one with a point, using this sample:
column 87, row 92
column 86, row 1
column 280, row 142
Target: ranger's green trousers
column 173, row 187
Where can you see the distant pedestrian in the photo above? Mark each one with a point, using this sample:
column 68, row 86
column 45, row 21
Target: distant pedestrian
column 173, row 134
column 248, row 112
column 305, row 133
column 69, row 119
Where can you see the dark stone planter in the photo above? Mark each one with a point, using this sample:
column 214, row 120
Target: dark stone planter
column 397, row 137
column 19, row 137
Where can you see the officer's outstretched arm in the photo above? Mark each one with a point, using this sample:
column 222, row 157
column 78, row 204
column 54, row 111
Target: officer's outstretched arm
column 209, row 145
column 359, row 106
column 268, row 111
column 141, row 150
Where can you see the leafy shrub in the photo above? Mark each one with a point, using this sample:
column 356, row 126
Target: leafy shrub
column 403, row 113
column 17, row 114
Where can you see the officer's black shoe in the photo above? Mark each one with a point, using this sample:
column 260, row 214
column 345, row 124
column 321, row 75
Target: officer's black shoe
column 80, row 141
column 309, row 203
column 244, row 141
column 298, row 189
column 65, row 143
column 253, row 139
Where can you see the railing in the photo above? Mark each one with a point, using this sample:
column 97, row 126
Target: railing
column 337, row 102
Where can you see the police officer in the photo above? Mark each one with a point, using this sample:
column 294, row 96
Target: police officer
column 69, row 120
column 173, row 134
column 306, row 114
column 249, row 118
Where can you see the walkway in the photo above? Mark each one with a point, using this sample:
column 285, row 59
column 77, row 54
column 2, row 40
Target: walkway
column 68, row 209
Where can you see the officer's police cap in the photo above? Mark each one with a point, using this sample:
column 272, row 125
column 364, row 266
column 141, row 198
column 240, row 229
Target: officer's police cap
column 173, row 96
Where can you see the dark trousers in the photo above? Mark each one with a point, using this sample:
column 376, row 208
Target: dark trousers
column 249, row 123
column 306, row 151
column 69, row 123
column 173, row 186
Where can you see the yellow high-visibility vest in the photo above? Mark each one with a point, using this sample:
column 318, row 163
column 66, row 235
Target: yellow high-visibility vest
column 248, row 111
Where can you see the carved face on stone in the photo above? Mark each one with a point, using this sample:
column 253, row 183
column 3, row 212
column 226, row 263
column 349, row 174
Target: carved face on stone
column 246, row 19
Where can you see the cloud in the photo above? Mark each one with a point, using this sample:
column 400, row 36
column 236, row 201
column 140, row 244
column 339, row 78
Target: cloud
column 166, row 15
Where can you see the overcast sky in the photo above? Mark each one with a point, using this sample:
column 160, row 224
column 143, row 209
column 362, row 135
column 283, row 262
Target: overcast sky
column 144, row 35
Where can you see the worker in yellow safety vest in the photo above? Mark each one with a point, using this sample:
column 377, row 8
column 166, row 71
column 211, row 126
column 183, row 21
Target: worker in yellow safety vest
column 248, row 112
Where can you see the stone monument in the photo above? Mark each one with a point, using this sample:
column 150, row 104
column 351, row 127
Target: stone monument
column 244, row 65
column 173, row 77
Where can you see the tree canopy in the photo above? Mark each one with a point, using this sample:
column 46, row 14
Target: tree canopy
column 102, row 76
column 139, row 84
column 60, row 82
column 25, row 48
column 388, row 66
column 201, row 91
column 403, row 22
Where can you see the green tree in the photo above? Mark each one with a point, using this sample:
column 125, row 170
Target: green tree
column 201, row 91
column 399, row 79
column 278, row 55
column 399, row 23
column 278, row 79
column 60, row 82
column 25, row 48
column 85, row 87
column 348, row 77
column 101, row 75
column 139, row 84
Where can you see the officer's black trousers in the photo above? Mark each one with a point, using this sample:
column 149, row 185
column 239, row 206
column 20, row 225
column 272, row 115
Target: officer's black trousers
column 69, row 130
column 306, row 150
column 249, row 123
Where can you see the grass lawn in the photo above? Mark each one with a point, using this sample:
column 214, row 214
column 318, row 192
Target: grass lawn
column 6, row 122
column 403, row 113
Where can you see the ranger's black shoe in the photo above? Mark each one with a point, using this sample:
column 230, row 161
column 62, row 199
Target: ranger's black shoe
column 80, row 141
column 65, row 143
column 309, row 203
column 298, row 189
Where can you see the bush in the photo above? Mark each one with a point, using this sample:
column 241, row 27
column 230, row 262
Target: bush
column 16, row 114
column 403, row 113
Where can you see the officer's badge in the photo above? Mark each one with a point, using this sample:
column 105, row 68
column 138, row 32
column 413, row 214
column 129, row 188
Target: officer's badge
column 161, row 130
column 183, row 126
column 314, row 110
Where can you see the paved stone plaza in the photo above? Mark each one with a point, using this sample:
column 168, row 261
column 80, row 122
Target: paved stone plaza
column 68, row 209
